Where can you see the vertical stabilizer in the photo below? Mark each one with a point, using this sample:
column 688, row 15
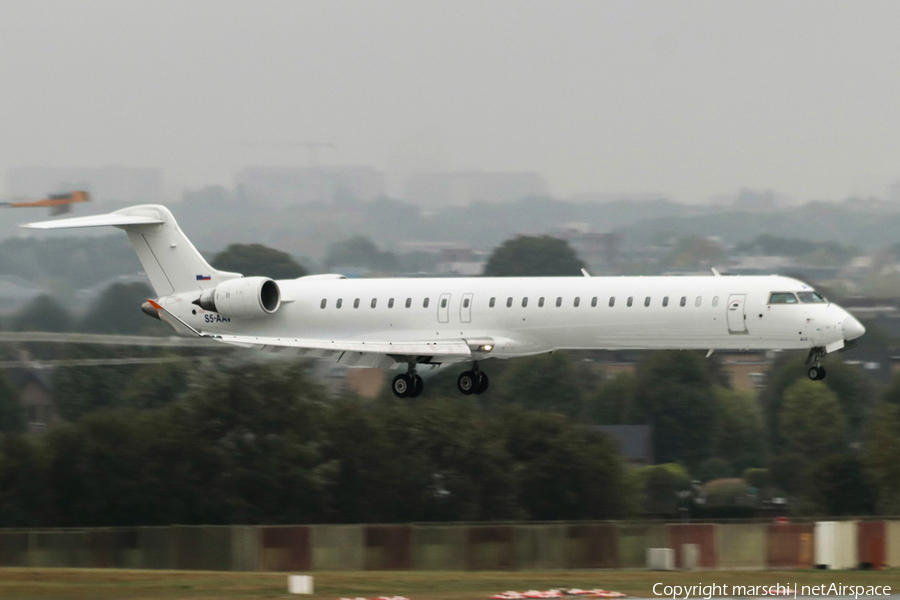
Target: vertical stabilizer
column 170, row 260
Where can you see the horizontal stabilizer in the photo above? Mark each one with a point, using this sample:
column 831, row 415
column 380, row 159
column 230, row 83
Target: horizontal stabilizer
column 111, row 219
column 170, row 260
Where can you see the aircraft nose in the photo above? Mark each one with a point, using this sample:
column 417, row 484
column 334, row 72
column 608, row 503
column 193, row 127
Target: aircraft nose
column 852, row 328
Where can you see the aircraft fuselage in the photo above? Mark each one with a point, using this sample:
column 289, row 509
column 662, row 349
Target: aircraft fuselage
column 533, row 315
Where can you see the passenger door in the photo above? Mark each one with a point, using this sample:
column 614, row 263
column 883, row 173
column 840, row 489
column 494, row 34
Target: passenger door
column 737, row 321
column 444, row 309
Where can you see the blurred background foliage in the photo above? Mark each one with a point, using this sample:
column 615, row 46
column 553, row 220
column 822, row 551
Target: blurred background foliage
column 227, row 440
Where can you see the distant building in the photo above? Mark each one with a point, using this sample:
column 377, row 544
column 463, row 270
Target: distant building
column 747, row 371
column 893, row 192
column 759, row 265
column 132, row 185
column 35, row 399
column 16, row 291
column 635, row 442
column 463, row 188
column 284, row 186
column 452, row 259
column 599, row 251
column 760, row 200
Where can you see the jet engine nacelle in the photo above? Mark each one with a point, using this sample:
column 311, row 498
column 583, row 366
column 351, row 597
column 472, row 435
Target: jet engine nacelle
column 244, row 298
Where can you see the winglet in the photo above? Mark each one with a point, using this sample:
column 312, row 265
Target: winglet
column 585, row 273
column 715, row 272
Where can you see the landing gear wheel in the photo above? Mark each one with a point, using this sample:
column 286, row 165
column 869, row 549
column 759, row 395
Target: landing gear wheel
column 816, row 373
column 418, row 386
column 467, row 382
column 482, row 383
column 821, row 373
column 402, row 385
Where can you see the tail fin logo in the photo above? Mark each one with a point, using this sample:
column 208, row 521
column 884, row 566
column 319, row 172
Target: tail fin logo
column 203, row 277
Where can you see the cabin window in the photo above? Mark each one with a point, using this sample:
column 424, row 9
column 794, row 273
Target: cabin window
column 508, row 302
column 665, row 301
column 374, row 302
column 340, row 302
column 594, row 302
column 559, row 302
column 322, row 305
column 541, row 302
column 698, row 301
column 356, row 303
column 425, row 303
column 782, row 298
column 715, row 301
column 612, row 301
column 577, row 301
column 443, row 303
column 811, row 298
column 408, row 302
column 492, row 302
column 683, row 301
column 630, row 301
column 390, row 303
column 524, row 302
column 647, row 301
column 466, row 303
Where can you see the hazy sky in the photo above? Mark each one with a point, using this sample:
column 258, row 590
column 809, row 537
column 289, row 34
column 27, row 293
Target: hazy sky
column 686, row 98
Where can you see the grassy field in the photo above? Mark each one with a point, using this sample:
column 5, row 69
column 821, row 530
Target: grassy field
column 33, row 584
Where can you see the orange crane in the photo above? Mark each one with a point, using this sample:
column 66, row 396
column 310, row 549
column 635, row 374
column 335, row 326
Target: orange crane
column 57, row 203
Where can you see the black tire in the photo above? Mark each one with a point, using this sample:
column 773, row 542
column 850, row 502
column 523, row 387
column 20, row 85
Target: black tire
column 402, row 385
column 483, row 383
column 813, row 373
column 821, row 373
column 467, row 383
column 418, row 387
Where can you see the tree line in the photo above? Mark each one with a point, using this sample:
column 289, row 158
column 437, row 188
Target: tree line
column 230, row 442
column 265, row 444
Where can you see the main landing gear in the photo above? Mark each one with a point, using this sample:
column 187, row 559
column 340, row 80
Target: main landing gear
column 409, row 384
column 816, row 371
column 473, row 382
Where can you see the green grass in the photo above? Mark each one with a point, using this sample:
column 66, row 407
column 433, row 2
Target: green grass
column 75, row 584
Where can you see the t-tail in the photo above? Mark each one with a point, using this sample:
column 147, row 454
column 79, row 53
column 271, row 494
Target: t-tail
column 170, row 260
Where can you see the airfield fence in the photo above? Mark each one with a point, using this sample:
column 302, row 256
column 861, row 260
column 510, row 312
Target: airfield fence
column 609, row 545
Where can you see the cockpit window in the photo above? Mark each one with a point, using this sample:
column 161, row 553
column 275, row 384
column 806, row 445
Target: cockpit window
column 782, row 298
column 811, row 298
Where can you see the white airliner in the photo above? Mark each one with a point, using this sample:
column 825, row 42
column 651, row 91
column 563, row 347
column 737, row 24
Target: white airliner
column 389, row 323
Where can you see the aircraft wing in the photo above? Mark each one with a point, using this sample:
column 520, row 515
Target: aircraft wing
column 383, row 354
column 351, row 353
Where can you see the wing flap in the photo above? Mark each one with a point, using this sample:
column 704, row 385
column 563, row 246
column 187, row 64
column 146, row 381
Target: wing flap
column 447, row 348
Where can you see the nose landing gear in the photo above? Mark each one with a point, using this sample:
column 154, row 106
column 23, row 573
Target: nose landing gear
column 409, row 384
column 472, row 382
column 817, row 371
